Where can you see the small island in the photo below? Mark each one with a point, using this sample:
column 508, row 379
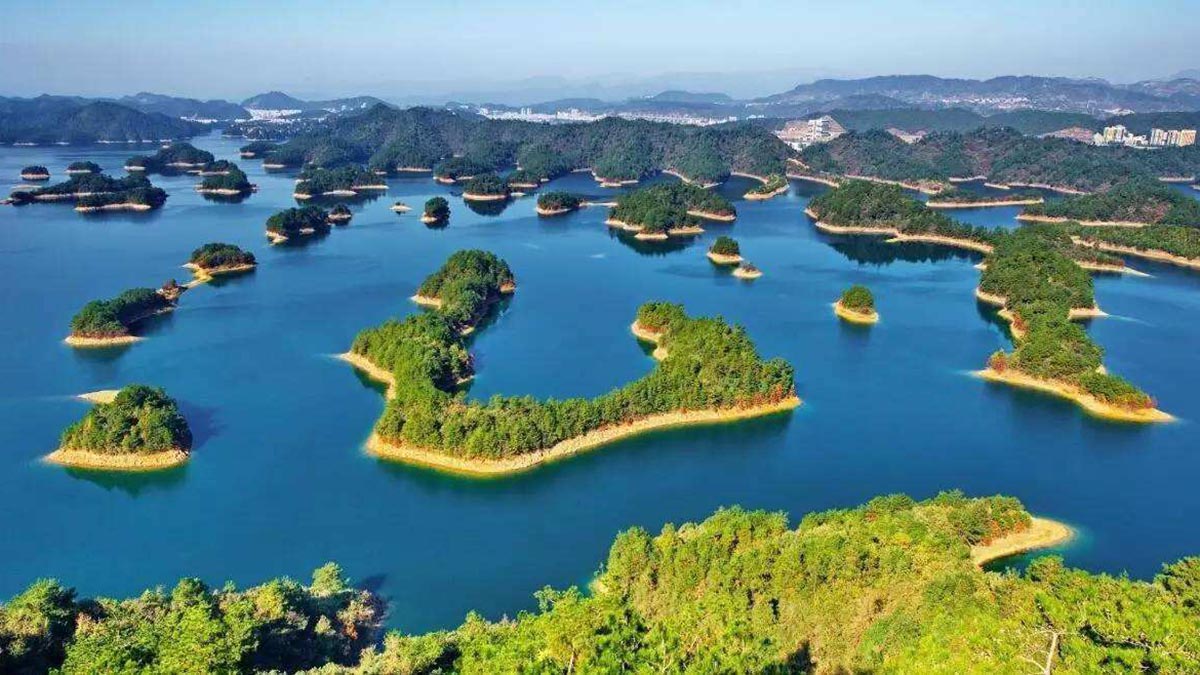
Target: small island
column 106, row 323
column 141, row 429
column 400, row 207
column 857, row 305
column 173, row 158
column 98, row 192
column 344, row 181
column 255, row 149
column 225, row 181
column 340, row 214
column 485, row 187
column 35, row 172
column 218, row 258
column 771, row 186
column 81, row 168
column 557, row 203
column 437, row 211
column 725, row 251
column 747, row 270
column 297, row 223
column 523, row 179
column 668, row 209
column 454, row 169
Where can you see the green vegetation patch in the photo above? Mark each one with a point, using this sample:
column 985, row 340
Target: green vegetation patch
column 140, row 420
column 219, row 254
column 661, row 207
column 859, row 299
column 115, row 317
column 1136, row 201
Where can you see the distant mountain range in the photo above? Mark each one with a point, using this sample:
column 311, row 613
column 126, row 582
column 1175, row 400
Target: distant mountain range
column 67, row 119
column 277, row 100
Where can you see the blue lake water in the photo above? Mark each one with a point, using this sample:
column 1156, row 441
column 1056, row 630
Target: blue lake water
column 278, row 483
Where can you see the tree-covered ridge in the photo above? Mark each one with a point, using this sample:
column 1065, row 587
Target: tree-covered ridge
column 466, row 284
column 257, row 148
column 868, row 204
column 887, row 587
column 1136, row 201
column 774, row 183
column 486, row 184
column 725, row 246
column 437, row 209
column 152, row 197
column 1003, row 155
column 280, row 626
column 665, row 206
column 140, row 419
column 317, row 181
column 858, row 298
column 558, row 201
column 712, row 365
column 301, row 221
column 219, row 254
column 82, row 166
column 1030, row 265
column 114, row 317
column 82, row 185
column 465, row 145
column 230, row 179
column 59, row 119
column 174, row 156
column 1171, row 239
column 955, row 195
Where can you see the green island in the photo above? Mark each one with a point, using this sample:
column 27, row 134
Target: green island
column 1173, row 244
column 739, row 592
column 485, row 187
column 523, row 179
column 772, row 185
column 171, row 158
column 1037, row 275
column 1132, row 203
column 98, row 192
column 1004, row 156
column 340, row 214
column 725, row 251
column 35, row 172
column 255, row 149
column 81, row 167
column 344, row 181
column 102, row 323
column 296, row 223
column 462, row 146
column 140, row 429
column 227, row 180
column 857, row 305
column 557, row 203
column 437, row 211
column 958, row 198
column 218, row 258
column 708, row 372
column 668, row 209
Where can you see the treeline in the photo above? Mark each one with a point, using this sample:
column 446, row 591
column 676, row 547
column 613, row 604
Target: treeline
column 665, row 206
column 711, row 365
column 62, row 119
column 1137, row 201
column 298, row 222
column 868, row 204
column 140, row 420
column 280, row 626
column 740, row 592
column 219, row 254
column 1170, row 239
column 173, row 157
column 317, row 181
column 558, row 201
column 1003, row 155
column 134, row 188
column 465, row 145
column 229, row 179
column 957, row 195
column 115, row 317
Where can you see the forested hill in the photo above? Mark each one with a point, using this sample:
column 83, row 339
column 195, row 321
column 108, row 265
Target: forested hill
column 386, row 138
column 1003, row 155
column 54, row 119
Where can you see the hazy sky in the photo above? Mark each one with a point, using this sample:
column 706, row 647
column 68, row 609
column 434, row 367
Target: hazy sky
column 218, row 48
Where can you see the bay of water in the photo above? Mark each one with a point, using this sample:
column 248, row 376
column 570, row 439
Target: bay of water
column 278, row 482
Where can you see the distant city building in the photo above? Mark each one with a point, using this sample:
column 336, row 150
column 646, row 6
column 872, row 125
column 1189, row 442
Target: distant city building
column 577, row 115
column 800, row 134
column 1172, row 137
column 1078, row 134
column 1158, row 137
column 909, row 137
column 1187, row 137
column 1115, row 134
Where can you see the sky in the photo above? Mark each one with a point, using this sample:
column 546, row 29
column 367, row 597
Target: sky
column 405, row 51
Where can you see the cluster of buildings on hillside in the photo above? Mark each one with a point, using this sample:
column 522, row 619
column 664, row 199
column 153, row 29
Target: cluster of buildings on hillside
column 1158, row 138
column 800, row 134
column 577, row 115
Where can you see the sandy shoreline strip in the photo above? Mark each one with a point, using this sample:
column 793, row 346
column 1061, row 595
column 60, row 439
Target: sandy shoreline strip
column 1070, row 392
column 984, row 204
column 1148, row 254
column 719, row 217
column 382, row 449
column 102, row 396
column 896, row 236
column 1041, row 533
column 722, row 259
column 95, row 342
column 475, row 197
column 854, row 315
column 84, row 459
column 1032, row 218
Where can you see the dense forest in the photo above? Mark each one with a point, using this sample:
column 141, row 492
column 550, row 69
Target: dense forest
column 61, row 119
column 1029, row 122
column 82, row 166
column 1137, row 201
column 257, row 148
column 141, row 196
column 486, row 184
column 858, row 298
column 1170, row 239
column 437, row 209
column 558, row 201
column 297, row 222
column 219, row 254
column 888, row 587
column 666, row 206
column 140, row 420
column 114, row 317
column 171, row 158
column 1003, row 155
column 712, row 365
column 866, row 204
column 317, row 181
column 458, row 145
column 230, row 179
column 956, row 195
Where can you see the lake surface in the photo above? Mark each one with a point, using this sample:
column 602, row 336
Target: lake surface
column 278, row 483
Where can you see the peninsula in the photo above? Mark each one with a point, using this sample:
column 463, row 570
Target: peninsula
column 1134, row 203
column 141, row 429
column 956, row 198
column 340, row 214
column 857, row 305
column 771, row 186
column 711, row 374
